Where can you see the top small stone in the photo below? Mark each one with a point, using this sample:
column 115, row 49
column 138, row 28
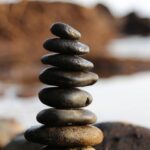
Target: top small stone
column 65, row 31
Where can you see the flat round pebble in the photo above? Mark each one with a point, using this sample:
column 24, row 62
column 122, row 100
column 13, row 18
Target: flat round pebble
column 65, row 31
column 67, row 62
column 57, row 77
column 67, row 97
column 64, row 46
column 70, row 136
column 57, row 148
column 62, row 117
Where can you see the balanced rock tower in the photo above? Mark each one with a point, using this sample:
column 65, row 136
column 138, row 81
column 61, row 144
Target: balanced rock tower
column 66, row 126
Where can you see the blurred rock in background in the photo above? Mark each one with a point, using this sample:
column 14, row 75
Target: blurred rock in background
column 122, row 136
column 135, row 25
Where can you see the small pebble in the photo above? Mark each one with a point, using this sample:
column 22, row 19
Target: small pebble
column 64, row 46
column 62, row 117
column 67, row 62
column 67, row 97
column 65, row 31
column 57, row 77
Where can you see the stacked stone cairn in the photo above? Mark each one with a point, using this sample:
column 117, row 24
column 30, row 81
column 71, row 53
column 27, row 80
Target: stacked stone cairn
column 66, row 126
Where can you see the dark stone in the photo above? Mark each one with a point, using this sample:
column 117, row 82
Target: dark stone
column 57, row 77
column 20, row 143
column 121, row 136
column 135, row 25
column 66, row 46
column 57, row 148
column 65, row 31
column 70, row 136
column 67, row 97
column 62, row 117
column 68, row 62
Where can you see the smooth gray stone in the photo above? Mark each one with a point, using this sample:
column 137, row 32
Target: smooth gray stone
column 57, row 77
column 67, row 62
column 60, row 148
column 65, row 97
column 64, row 46
column 62, row 117
column 65, row 31
column 67, row 136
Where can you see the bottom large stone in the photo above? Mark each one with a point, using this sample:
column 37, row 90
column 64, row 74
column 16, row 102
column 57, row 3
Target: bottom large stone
column 77, row 148
column 69, row 136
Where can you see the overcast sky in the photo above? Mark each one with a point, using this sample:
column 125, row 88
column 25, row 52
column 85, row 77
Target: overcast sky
column 118, row 7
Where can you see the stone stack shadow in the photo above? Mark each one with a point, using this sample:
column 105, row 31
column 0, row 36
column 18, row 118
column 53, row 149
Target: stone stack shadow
column 66, row 126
